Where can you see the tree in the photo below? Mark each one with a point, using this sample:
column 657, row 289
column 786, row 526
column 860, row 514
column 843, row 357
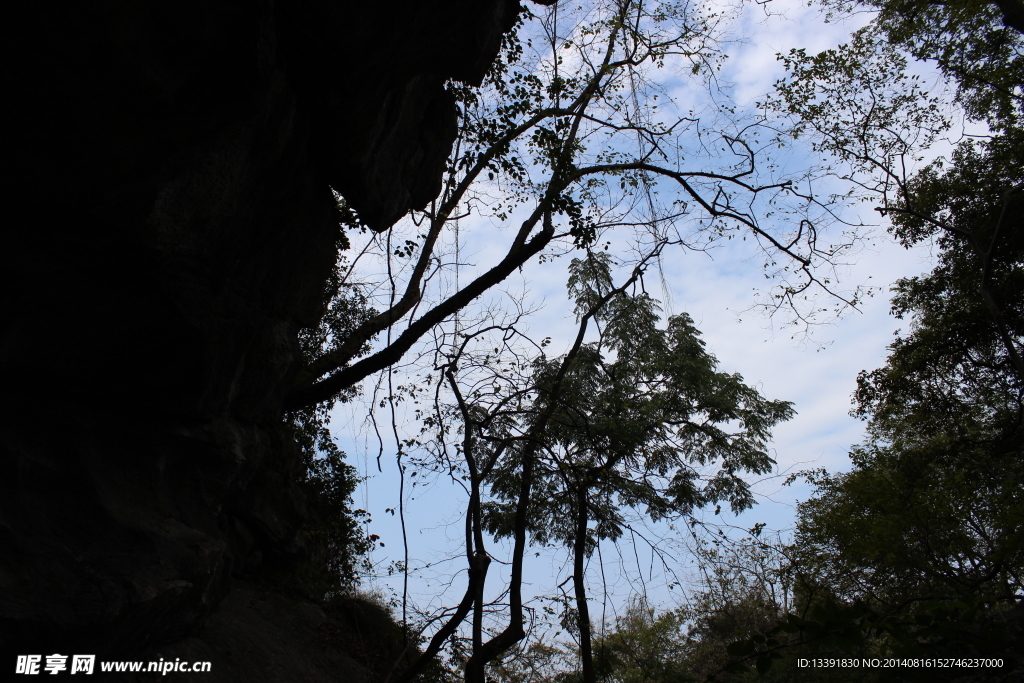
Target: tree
column 643, row 647
column 731, row 621
column 862, row 104
column 926, row 528
column 639, row 419
column 567, row 142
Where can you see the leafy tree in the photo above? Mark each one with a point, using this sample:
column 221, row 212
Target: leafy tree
column 643, row 647
column 862, row 104
column 632, row 432
column 538, row 662
column 934, row 506
column 639, row 419
column 730, row 622
column 745, row 589
column 925, row 531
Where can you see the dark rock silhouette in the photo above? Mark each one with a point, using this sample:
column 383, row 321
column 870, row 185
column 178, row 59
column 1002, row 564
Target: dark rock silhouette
column 169, row 230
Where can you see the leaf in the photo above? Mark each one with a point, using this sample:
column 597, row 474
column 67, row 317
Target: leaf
column 741, row 648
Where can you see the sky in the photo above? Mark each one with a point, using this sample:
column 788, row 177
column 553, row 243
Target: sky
column 814, row 369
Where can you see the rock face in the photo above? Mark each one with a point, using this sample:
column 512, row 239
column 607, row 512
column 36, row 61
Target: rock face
column 170, row 230
column 256, row 636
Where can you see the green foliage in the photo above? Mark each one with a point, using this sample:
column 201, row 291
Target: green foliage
column 570, row 451
column 935, row 501
column 920, row 546
column 335, row 528
column 733, row 630
column 643, row 420
column 346, row 308
column 864, row 104
column 639, row 422
column 972, row 43
column 538, row 662
column 643, row 647
column 339, row 544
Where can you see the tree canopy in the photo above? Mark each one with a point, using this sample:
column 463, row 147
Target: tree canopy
column 924, row 533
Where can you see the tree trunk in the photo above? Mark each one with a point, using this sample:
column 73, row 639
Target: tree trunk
column 579, row 585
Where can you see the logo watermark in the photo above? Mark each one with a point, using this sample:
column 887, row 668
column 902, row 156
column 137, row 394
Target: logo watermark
column 34, row 665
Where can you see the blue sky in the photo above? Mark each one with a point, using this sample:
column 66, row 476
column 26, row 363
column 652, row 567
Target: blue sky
column 816, row 371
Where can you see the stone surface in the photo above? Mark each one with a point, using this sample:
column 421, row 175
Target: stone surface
column 256, row 636
column 169, row 231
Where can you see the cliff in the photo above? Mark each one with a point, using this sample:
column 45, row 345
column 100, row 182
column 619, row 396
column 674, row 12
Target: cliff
column 169, row 231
